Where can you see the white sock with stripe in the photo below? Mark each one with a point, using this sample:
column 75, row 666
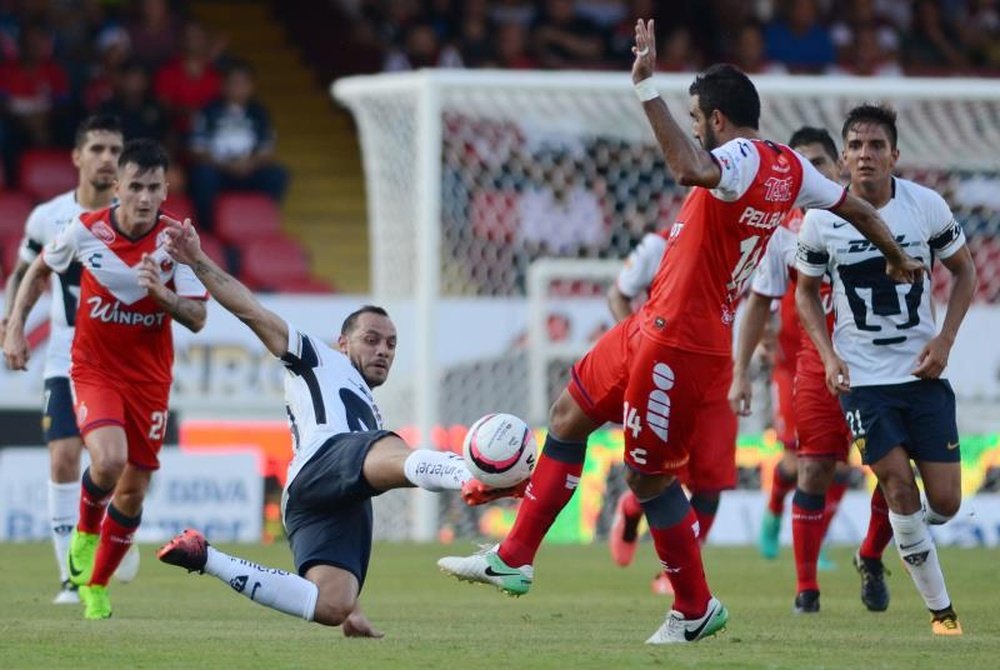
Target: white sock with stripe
column 916, row 548
column 64, row 509
column 271, row 587
column 436, row 470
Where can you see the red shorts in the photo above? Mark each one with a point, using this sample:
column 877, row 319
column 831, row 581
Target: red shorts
column 712, row 467
column 822, row 429
column 141, row 409
column 782, row 390
column 656, row 392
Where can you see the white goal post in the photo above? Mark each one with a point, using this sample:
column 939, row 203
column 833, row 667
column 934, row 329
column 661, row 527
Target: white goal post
column 473, row 176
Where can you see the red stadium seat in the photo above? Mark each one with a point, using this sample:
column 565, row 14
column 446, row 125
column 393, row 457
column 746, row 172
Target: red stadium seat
column 45, row 173
column 8, row 248
column 14, row 210
column 181, row 206
column 277, row 263
column 241, row 217
column 214, row 249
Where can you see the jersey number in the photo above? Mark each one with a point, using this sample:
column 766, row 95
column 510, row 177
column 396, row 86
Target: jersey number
column 157, row 424
column 750, row 254
column 870, row 290
column 359, row 413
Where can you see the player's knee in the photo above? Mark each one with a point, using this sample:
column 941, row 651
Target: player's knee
column 941, row 509
column 63, row 468
column 332, row 611
column 108, row 465
column 646, row 487
column 567, row 421
column 814, row 475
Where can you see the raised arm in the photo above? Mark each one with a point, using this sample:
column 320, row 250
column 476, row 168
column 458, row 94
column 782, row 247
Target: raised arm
column 689, row 163
column 185, row 247
column 863, row 216
column 188, row 312
column 32, row 286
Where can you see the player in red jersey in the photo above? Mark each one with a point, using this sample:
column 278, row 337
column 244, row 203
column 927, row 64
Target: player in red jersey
column 823, row 437
column 122, row 356
column 653, row 370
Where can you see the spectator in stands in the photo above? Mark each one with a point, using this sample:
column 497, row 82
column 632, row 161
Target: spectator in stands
column 621, row 36
column 232, row 144
column 422, row 48
column 563, row 39
column 867, row 58
column 931, row 46
column 35, row 93
column 114, row 47
column 799, row 39
column 155, row 33
column 861, row 14
column 677, row 52
column 475, row 44
column 190, row 81
column 512, row 48
column 979, row 26
column 521, row 12
column 133, row 102
column 749, row 52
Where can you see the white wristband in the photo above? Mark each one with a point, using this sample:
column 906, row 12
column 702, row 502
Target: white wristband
column 645, row 90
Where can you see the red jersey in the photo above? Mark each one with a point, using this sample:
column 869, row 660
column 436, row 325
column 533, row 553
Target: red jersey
column 122, row 334
column 719, row 238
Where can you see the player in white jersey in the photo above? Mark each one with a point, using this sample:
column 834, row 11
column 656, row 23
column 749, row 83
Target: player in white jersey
column 342, row 458
column 95, row 154
column 887, row 356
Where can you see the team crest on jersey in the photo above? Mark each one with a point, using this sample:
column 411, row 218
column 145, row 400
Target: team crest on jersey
column 778, row 189
column 781, row 165
column 103, row 232
column 166, row 265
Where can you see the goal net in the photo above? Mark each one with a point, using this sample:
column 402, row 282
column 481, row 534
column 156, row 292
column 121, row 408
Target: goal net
column 473, row 177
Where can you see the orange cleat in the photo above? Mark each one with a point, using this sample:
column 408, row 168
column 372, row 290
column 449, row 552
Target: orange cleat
column 188, row 550
column 624, row 536
column 474, row 492
column 945, row 623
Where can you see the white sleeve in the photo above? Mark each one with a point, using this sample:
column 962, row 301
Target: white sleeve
column 187, row 284
column 641, row 265
column 771, row 277
column 739, row 162
column 302, row 352
column 946, row 236
column 61, row 251
column 811, row 257
column 34, row 236
column 817, row 191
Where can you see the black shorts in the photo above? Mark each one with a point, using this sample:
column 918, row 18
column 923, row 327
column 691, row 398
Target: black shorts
column 919, row 415
column 58, row 418
column 328, row 507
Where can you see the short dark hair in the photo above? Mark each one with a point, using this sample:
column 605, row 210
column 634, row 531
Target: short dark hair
column 813, row 135
column 108, row 123
column 882, row 115
column 145, row 153
column 726, row 88
column 351, row 322
column 240, row 65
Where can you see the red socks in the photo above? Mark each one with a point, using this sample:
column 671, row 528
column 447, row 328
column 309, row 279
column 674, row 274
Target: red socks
column 834, row 495
column 879, row 529
column 116, row 538
column 680, row 553
column 781, row 484
column 93, row 501
column 705, row 507
column 809, row 523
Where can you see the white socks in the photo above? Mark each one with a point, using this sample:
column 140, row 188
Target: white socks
column 916, row 548
column 436, row 470
column 277, row 589
column 64, row 511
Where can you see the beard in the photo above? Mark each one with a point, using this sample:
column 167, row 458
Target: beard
column 709, row 141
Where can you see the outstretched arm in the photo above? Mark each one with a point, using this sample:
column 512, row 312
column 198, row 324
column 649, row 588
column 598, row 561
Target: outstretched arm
column 185, row 247
column 690, row 164
column 15, row 345
column 863, row 216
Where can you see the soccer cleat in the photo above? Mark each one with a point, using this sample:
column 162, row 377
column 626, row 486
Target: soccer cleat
column 678, row 630
column 767, row 542
column 945, row 622
column 80, row 560
column 67, row 595
column 128, row 569
column 474, row 492
column 96, row 604
column 486, row 567
column 874, row 591
column 807, row 602
column 661, row 585
column 624, row 536
column 188, row 550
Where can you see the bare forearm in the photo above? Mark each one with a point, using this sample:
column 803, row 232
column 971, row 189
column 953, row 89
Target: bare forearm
column 226, row 290
column 688, row 162
column 619, row 304
column 813, row 319
column 963, row 288
column 185, row 311
column 865, row 218
column 29, row 290
column 10, row 292
column 751, row 330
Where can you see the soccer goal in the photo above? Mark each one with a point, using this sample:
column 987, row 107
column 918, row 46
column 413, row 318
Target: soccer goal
column 474, row 177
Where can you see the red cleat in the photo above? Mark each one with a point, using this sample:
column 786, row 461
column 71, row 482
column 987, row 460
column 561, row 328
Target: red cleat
column 624, row 536
column 474, row 492
column 188, row 550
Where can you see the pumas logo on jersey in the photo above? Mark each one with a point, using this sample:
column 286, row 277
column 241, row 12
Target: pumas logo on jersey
column 107, row 312
column 103, row 232
column 778, row 189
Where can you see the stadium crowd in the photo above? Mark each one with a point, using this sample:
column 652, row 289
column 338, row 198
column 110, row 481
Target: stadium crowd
column 860, row 37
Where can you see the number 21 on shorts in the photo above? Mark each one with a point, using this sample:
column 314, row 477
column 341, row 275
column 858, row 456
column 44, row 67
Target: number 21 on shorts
column 854, row 423
column 157, row 424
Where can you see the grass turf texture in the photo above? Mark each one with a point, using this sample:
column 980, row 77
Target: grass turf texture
column 582, row 613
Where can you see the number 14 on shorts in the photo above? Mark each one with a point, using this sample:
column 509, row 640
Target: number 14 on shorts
column 631, row 420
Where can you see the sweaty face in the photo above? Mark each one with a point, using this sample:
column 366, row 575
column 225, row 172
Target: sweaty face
column 821, row 160
column 97, row 159
column 140, row 194
column 868, row 154
column 371, row 346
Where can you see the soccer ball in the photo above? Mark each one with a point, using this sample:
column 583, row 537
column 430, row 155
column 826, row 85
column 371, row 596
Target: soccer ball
column 500, row 450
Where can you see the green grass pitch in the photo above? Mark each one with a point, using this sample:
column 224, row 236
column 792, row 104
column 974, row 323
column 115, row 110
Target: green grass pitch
column 584, row 612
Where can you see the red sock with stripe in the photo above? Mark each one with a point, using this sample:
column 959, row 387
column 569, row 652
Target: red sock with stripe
column 116, row 538
column 552, row 485
column 879, row 529
column 834, row 495
column 93, row 502
column 808, row 525
column 705, row 506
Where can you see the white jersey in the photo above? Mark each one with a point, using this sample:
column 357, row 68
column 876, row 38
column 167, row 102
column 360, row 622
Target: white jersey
column 325, row 395
column 44, row 224
column 881, row 326
column 771, row 278
column 641, row 265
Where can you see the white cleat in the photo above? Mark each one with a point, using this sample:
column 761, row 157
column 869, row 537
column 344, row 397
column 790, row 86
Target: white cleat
column 67, row 594
column 486, row 567
column 128, row 569
column 678, row 630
